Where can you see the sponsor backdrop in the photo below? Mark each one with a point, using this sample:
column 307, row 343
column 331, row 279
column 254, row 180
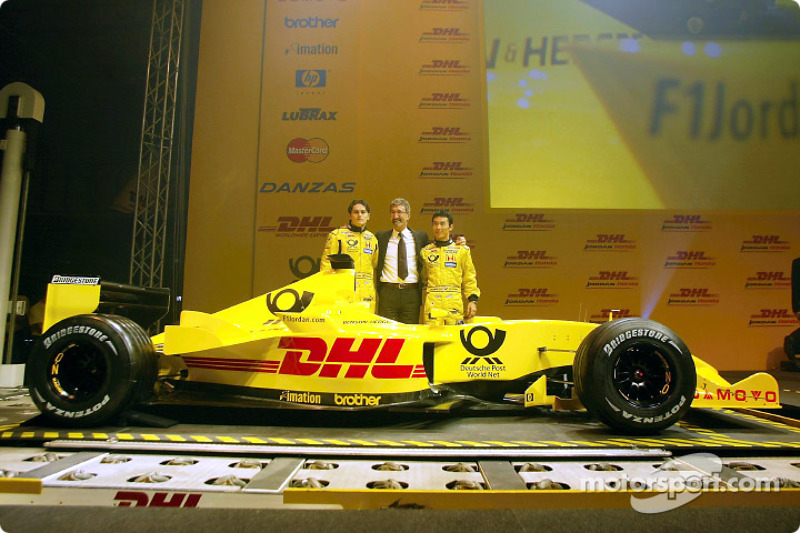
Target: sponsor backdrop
column 304, row 105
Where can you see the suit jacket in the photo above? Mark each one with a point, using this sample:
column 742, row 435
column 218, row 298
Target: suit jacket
column 420, row 241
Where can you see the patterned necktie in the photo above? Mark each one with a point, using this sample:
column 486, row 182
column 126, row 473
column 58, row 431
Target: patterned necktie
column 402, row 258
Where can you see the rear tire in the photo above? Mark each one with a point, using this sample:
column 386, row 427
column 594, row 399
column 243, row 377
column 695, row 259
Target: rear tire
column 87, row 368
column 635, row 375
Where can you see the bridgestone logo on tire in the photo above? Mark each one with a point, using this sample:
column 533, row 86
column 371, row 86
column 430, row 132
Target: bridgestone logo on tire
column 50, row 339
column 632, row 334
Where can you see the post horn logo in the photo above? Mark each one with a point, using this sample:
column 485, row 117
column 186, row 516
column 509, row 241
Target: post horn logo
column 312, row 266
column 294, row 303
column 493, row 344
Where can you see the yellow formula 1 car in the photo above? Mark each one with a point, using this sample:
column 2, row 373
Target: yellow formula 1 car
column 309, row 345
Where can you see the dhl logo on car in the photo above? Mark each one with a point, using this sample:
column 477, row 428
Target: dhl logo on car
column 310, row 356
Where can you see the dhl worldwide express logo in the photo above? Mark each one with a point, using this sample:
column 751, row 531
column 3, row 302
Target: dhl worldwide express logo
column 529, row 222
column 454, row 205
column 300, row 150
column 300, row 226
column 765, row 243
column 606, row 315
column 773, row 318
column 444, row 134
column 530, row 259
column 686, row 223
column 444, row 35
column 310, row 187
column 135, row 498
column 373, row 358
column 310, row 114
column 452, row 170
column 610, row 242
column 444, row 5
column 768, row 280
column 686, row 259
column 612, row 279
column 445, row 67
column 533, row 297
column 693, row 296
column 444, row 101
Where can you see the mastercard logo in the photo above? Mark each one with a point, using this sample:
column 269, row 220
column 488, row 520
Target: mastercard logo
column 312, row 150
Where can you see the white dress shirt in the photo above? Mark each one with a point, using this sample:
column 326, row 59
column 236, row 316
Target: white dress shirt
column 389, row 274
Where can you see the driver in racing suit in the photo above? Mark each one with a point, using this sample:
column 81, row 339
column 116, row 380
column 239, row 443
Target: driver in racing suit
column 360, row 244
column 448, row 274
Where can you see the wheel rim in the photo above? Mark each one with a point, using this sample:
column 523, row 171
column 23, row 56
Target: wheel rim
column 643, row 376
column 78, row 372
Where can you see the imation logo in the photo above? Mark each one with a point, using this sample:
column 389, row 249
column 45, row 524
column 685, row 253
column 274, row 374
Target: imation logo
column 444, row 35
column 440, row 134
column 690, row 259
column 768, row 280
column 452, row 170
column 444, row 101
column 686, row 223
column 612, row 279
column 773, row 318
column 693, row 297
column 606, row 315
column 765, row 243
column 531, row 298
column 312, row 150
column 610, row 242
column 309, row 113
column 529, row 222
column 454, row 205
column 320, row 49
column 445, row 67
column 444, row 5
column 307, row 187
column 300, row 226
column 530, row 259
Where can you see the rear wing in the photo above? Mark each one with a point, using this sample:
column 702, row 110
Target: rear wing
column 76, row 295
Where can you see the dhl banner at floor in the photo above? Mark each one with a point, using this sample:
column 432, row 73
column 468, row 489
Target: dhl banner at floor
column 597, row 163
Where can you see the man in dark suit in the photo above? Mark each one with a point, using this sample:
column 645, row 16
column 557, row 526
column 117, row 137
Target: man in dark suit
column 398, row 273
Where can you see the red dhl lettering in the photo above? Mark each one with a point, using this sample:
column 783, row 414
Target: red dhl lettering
column 446, row 202
column 691, row 256
column 439, row 130
column 447, row 165
column 694, row 293
column 740, row 395
column 522, row 217
column 774, row 313
column 771, row 276
column 529, row 254
column 446, row 97
column 444, row 63
column 305, row 224
column 529, row 293
column 766, row 239
column 613, row 275
column 617, row 237
column 446, row 31
column 130, row 498
column 308, row 356
column 687, row 219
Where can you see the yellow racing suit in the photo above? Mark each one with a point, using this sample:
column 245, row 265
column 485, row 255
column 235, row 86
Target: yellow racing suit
column 362, row 246
column 450, row 278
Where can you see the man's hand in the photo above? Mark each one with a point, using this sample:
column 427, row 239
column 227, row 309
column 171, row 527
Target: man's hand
column 461, row 240
column 472, row 310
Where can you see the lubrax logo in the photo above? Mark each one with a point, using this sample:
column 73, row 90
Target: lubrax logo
column 610, row 242
column 454, row 170
column 373, row 358
column 310, row 79
column 314, row 23
column 444, row 5
column 310, row 187
column 444, row 35
column 454, row 205
column 765, row 243
column 529, row 222
column 444, row 101
column 530, row 259
column 693, row 296
column 773, row 318
column 612, row 279
column 310, row 114
column 531, row 298
column 312, row 150
column 686, row 223
column 441, row 134
column 606, row 315
column 319, row 49
column 689, row 259
column 768, row 280
column 445, row 67
column 300, row 226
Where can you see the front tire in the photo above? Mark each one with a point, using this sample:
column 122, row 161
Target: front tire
column 87, row 368
column 635, row 375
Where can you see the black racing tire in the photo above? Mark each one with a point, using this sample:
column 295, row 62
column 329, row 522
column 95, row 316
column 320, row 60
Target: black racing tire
column 635, row 375
column 86, row 369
